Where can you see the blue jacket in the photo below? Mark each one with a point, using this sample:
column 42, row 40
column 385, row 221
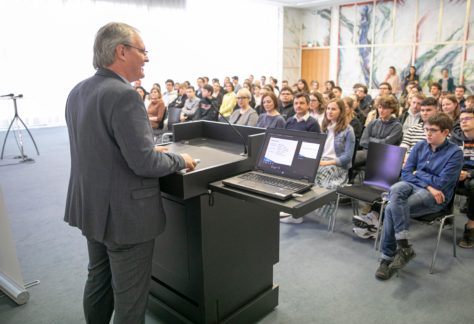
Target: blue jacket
column 439, row 169
column 344, row 143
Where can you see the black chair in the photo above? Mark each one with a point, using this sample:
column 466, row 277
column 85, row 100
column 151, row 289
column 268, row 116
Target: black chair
column 442, row 217
column 384, row 163
column 173, row 117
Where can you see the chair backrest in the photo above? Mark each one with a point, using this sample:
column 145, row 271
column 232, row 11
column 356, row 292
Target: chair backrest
column 384, row 164
column 173, row 117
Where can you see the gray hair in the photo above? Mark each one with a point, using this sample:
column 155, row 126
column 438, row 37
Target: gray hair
column 107, row 39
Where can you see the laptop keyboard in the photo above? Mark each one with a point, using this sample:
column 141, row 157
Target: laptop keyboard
column 280, row 183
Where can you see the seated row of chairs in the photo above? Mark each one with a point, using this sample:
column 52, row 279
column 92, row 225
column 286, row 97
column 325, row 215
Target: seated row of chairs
column 382, row 170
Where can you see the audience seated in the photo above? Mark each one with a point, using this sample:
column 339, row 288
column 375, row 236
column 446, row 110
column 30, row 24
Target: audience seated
column 416, row 133
column 317, row 106
column 364, row 99
column 338, row 150
column 247, row 85
column 190, row 105
column 337, row 92
column 301, row 120
column 156, row 109
column 451, row 107
column 217, row 96
column 411, row 76
column 412, row 115
column 435, row 90
column 385, row 129
column 466, row 178
column 352, row 117
column 470, row 102
column 229, row 101
column 459, row 92
column 245, row 115
column 286, row 103
column 170, row 94
column 180, row 99
column 271, row 118
column 424, row 188
column 302, row 86
column 206, row 109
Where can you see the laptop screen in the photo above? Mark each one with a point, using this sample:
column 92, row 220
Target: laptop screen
column 290, row 153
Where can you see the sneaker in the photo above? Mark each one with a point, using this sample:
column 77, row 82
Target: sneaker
column 403, row 256
column 365, row 208
column 291, row 220
column 365, row 233
column 467, row 241
column 384, row 271
column 371, row 220
column 284, row 215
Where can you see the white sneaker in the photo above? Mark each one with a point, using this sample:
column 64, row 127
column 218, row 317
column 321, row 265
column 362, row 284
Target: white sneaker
column 363, row 233
column 291, row 220
column 284, row 215
column 371, row 220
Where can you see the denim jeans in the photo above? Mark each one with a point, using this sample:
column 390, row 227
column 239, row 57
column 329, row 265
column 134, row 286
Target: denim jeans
column 406, row 201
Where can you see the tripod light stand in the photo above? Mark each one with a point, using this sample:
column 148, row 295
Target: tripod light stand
column 17, row 118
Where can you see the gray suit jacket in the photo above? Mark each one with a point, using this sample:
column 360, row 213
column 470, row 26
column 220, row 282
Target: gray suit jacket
column 114, row 193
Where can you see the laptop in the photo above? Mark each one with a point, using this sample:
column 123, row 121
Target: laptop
column 286, row 166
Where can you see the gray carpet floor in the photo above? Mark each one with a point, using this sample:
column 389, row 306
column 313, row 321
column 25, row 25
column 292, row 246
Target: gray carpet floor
column 323, row 277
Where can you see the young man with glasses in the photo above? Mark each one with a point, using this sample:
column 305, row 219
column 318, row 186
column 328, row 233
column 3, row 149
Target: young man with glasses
column 286, row 103
column 427, row 185
column 466, row 179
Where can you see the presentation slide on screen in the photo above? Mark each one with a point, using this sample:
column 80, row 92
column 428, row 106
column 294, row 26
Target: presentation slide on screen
column 309, row 150
column 281, row 151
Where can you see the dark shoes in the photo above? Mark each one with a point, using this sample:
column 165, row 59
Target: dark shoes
column 384, row 272
column 403, row 256
column 467, row 241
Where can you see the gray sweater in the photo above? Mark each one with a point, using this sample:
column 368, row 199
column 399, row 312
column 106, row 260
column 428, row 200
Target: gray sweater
column 389, row 132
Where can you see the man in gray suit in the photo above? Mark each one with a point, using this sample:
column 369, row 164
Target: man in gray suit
column 114, row 194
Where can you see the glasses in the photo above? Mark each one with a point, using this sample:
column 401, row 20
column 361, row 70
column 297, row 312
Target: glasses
column 466, row 119
column 141, row 50
column 432, row 130
column 242, row 98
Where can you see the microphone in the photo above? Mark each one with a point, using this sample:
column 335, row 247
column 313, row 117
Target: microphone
column 19, row 96
column 234, row 129
column 8, row 95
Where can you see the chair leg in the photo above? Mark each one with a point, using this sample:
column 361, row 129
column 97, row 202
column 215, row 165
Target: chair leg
column 454, row 235
column 378, row 234
column 332, row 219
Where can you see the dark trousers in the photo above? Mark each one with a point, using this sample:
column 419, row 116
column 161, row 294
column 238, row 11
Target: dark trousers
column 468, row 186
column 118, row 280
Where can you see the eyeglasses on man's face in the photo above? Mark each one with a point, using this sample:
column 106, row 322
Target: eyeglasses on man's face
column 432, row 130
column 141, row 50
column 466, row 119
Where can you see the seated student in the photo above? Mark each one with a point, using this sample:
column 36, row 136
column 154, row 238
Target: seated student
column 190, row 105
column 352, row 117
column 466, row 178
column 317, row 106
column 302, row 120
column 470, row 102
column 367, row 224
column 416, row 133
column 271, row 118
column 207, row 109
column 286, row 103
column 338, row 150
column 451, row 107
column 180, row 99
column 412, row 115
column 217, row 95
column 427, row 185
column 229, row 101
column 245, row 115
column 385, row 129
column 156, row 109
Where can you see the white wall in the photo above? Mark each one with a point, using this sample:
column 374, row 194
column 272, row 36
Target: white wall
column 46, row 46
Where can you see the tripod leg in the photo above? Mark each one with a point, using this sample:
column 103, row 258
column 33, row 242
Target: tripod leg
column 36, row 147
column 6, row 136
